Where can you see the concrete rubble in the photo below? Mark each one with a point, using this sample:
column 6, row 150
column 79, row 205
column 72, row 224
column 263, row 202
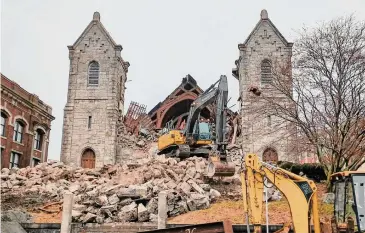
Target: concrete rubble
column 117, row 193
column 125, row 192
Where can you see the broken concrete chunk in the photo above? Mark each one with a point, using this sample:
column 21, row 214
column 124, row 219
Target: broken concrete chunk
column 191, row 171
column 205, row 187
column 89, row 217
column 113, row 199
column 196, row 187
column 74, row 187
column 125, row 201
column 152, row 206
column 92, row 193
column 153, row 218
column 128, row 213
column 102, row 200
column 99, row 219
column 110, row 208
column 143, row 214
column 78, row 207
column 76, row 213
column 214, row 194
column 185, row 187
column 141, row 143
column 171, row 184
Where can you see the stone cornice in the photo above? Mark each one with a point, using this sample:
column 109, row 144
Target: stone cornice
column 6, row 91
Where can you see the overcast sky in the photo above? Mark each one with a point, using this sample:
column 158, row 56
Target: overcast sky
column 162, row 40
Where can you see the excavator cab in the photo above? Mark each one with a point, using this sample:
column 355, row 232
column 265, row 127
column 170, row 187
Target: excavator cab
column 204, row 131
column 349, row 205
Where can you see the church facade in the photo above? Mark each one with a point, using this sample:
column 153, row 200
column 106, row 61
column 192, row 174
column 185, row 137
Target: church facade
column 95, row 99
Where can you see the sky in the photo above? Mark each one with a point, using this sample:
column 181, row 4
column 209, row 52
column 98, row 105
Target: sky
column 163, row 40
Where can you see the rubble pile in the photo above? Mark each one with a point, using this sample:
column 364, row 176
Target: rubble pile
column 235, row 154
column 142, row 140
column 116, row 193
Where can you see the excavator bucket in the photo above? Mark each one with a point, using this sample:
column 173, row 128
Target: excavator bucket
column 217, row 167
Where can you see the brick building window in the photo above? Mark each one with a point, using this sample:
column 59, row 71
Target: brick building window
column 18, row 131
column 35, row 162
column 38, row 138
column 3, row 124
column 14, row 159
column 266, row 73
column 93, row 74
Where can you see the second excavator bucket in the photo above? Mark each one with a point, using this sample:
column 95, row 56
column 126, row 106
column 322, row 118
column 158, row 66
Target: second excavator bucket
column 218, row 167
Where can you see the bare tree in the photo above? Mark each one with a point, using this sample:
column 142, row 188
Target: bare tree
column 325, row 89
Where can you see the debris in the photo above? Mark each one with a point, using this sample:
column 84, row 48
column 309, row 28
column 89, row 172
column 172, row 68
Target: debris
column 143, row 214
column 122, row 192
column 329, row 198
column 89, row 217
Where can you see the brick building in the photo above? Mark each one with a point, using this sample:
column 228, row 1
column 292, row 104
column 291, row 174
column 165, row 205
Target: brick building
column 25, row 126
column 95, row 98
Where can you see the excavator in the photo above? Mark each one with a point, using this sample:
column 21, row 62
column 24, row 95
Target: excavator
column 196, row 138
column 301, row 193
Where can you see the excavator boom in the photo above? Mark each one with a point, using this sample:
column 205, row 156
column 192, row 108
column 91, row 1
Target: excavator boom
column 300, row 193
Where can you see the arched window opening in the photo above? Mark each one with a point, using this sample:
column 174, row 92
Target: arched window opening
column 38, row 139
column 270, row 155
column 266, row 73
column 88, row 159
column 3, row 124
column 93, row 74
column 18, row 131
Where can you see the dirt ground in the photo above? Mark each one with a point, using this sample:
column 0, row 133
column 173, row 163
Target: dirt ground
column 279, row 212
column 50, row 213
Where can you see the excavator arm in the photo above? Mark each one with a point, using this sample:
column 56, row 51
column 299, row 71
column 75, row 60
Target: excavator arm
column 218, row 164
column 218, row 94
column 300, row 193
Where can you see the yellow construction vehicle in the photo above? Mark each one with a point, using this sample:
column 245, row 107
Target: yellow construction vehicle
column 301, row 194
column 196, row 138
column 349, row 201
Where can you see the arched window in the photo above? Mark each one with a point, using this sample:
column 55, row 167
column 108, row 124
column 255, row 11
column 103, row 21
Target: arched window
column 270, row 155
column 18, row 131
column 93, row 73
column 38, row 139
column 3, row 124
column 266, row 75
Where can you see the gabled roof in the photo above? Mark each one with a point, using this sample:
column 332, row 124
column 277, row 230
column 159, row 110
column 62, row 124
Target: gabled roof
column 265, row 18
column 96, row 21
column 188, row 79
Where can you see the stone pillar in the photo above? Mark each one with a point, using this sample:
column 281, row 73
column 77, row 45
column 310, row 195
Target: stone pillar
column 67, row 213
column 162, row 210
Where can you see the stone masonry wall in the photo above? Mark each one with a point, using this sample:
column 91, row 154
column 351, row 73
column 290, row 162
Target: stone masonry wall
column 261, row 131
column 102, row 102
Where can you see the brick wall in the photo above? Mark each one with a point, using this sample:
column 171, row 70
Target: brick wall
column 19, row 105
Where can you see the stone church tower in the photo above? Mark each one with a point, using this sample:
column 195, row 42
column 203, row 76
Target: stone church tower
column 95, row 98
column 262, row 133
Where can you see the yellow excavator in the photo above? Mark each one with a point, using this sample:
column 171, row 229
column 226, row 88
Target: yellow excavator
column 301, row 194
column 196, row 139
